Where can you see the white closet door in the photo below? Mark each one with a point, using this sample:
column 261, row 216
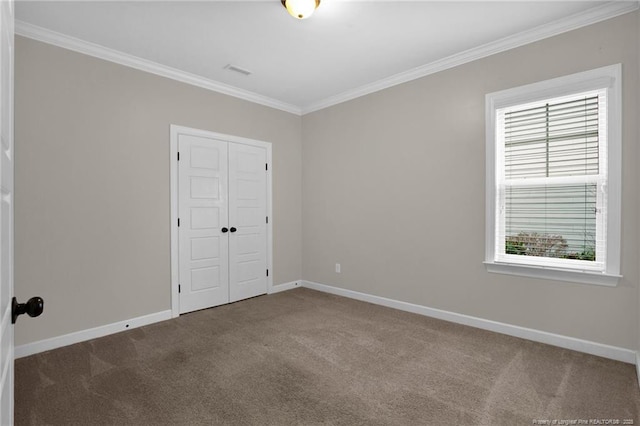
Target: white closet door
column 247, row 214
column 203, row 203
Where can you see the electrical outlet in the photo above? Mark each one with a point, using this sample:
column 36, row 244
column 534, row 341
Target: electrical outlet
column 337, row 268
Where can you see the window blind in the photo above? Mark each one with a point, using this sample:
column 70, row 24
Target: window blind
column 552, row 181
column 554, row 139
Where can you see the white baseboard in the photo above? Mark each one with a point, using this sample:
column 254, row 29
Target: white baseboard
column 284, row 287
column 105, row 330
column 593, row 348
column 91, row 333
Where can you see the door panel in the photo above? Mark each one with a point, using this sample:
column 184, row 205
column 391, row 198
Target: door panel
column 202, row 201
column 247, row 213
column 6, row 211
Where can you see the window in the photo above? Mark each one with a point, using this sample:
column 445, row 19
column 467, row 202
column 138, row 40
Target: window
column 553, row 178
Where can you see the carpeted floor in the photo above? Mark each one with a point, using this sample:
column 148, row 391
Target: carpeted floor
column 308, row 358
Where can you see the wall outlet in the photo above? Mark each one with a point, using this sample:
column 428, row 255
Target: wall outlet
column 337, row 268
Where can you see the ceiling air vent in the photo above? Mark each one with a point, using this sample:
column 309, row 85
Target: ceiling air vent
column 237, row 69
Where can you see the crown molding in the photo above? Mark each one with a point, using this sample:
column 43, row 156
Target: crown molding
column 583, row 19
column 77, row 45
column 588, row 17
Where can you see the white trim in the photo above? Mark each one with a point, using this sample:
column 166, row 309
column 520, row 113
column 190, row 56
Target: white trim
column 593, row 348
column 88, row 334
column 77, row 45
column 583, row 19
column 614, row 192
column 546, row 273
column 176, row 130
column 609, row 78
column 284, row 287
column 116, row 327
column 588, row 17
column 174, row 239
column 269, row 215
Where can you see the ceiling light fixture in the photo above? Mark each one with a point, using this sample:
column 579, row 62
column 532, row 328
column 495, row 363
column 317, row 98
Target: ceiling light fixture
column 300, row 9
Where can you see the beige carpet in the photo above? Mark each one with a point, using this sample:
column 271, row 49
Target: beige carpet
column 308, row 358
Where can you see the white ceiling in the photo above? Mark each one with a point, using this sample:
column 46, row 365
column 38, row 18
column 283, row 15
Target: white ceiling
column 345, row 47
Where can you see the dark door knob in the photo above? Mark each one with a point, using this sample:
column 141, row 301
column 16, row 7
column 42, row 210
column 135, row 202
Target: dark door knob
column 33, row 308
column 224, row 230
column 233, row 229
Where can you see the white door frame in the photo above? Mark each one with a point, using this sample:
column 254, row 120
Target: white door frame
column 173, row 160
column 7, row 197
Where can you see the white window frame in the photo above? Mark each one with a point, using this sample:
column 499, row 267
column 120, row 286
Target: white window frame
column 608, row 78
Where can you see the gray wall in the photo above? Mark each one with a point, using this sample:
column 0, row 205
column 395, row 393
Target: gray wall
column 393, row 189
column 92, row 185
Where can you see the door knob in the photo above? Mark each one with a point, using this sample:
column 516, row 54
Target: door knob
column 33, row 308
column 233, row 229
column 224, row 230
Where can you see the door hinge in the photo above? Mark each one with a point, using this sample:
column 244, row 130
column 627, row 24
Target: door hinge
column 266, row 166
column 178, row 156
column 178, row 222
column 179, row 288
column 267, row 272
column 267, row 219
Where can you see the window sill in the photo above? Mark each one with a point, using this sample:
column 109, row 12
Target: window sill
column 584, row 277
